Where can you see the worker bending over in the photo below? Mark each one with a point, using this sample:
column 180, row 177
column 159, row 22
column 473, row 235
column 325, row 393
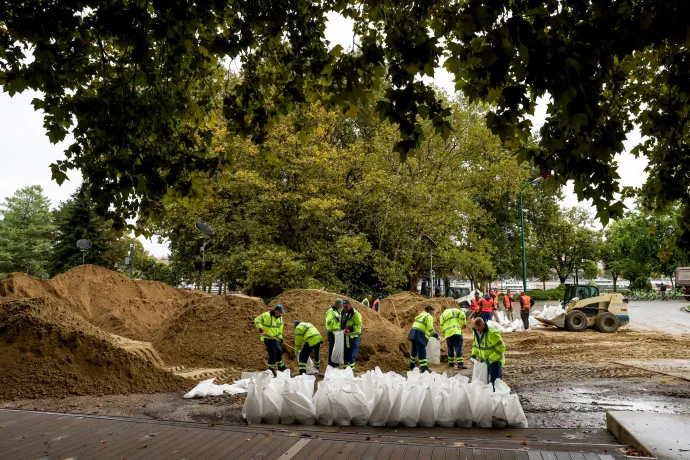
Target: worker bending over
column 422, row 329
column 308, row 340
column 508, row 305
column 525, row 304
column 487, row 305
column 452, row 321
column 488, row 347
column 270, row 324
column 351, row 323
column 333, row 326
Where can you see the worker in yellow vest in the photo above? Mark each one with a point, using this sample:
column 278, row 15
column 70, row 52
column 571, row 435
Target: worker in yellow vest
column 452, row 321
column 270, row 325
column 308, row 341
column 351, row 323
column 422, row 330
column 333, row 326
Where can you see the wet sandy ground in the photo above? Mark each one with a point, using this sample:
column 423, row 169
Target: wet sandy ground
column 563, row 379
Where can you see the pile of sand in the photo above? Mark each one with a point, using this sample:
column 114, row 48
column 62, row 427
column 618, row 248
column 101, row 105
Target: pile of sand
column 383, row 344
column 402, row 308
column 107, row 299
column 46, row 350
column 214, row 331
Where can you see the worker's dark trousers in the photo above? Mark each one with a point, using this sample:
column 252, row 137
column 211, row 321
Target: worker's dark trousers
column 524, row 314
column 351, row 347
column 495, row 372
column 454, row 343
column 487, row 315
column 275, row 353
column 418, row 343
column 304, row 354
column 331, row 343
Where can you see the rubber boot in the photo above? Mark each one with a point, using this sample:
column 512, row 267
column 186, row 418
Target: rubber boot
column 411, row 366
column 462, row 366
column 282, row 368
column 424, row 369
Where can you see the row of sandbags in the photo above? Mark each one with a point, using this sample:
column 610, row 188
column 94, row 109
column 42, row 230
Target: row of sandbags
column 378, row 399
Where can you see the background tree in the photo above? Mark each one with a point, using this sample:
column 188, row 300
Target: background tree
column 26, row 232
column 77, row 219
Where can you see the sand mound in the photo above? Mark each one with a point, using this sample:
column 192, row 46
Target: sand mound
column 401, row 309
column 383, row 344
column 48, row 350
column 108, row 299
column 214, row 331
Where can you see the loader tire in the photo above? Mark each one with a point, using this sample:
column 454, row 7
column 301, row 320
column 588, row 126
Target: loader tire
column 607, row 322
column 576, row 321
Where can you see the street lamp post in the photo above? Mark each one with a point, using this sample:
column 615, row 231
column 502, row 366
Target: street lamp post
column 522, row 226
column 207, row 230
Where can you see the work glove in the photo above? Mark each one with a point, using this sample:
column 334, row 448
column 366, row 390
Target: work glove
column 347, row 330
column 435, row 335
column 261, row 330
column 473, row 357
column 281, row 341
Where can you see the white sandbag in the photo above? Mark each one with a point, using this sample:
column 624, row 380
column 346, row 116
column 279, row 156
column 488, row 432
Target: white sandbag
column 252, row 411
column 433, row 351
column 463, row 410
column 501, row 387
column 396, row 395
column 498, row 413
column 301, row 407
column 480, row 402
column 338, row 354
column 311, row 369
column 427, row 414
column 322, row 405
column 411, row 403
column 480, row 372
column 201, row 390
column 380, row 410
column 445, row 407
column 515, row 416
column 458, row 379
column 272, row 404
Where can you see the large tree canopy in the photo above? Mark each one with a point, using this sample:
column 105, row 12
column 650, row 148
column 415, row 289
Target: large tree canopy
column 139, row 79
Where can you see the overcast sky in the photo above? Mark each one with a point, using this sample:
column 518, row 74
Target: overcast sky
column 26, row 153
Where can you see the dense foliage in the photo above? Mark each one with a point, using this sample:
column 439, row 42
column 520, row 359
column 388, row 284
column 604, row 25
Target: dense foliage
column 137, row 82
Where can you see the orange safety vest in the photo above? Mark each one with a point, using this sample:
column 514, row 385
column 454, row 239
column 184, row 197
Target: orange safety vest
column 526, row 302
column 487, row 306
column 375, row 305
column 475, row 306
column 508, row 301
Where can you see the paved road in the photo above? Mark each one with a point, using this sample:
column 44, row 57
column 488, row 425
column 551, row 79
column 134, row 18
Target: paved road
column 660, row 315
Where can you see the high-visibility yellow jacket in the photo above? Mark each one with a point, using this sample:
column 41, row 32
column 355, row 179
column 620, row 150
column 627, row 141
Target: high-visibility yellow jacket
column 272, row 326
column 452, row 321
column 333, row 320
column 365, row 302
column 353, row 321
column 306, row 333
column 425, row 323
column 490, row 347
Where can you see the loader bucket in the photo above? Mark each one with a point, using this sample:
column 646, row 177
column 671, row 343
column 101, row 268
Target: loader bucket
column 558, row 321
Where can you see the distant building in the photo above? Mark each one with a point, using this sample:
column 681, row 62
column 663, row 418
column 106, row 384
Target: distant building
column 164, row 260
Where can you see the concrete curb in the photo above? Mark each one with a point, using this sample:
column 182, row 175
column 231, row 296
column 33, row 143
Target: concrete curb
column 665, row 436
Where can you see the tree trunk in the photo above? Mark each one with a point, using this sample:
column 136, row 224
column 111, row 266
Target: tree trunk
column 543, row 280
column 615, row 278
column 673, row 286
column 412, row 280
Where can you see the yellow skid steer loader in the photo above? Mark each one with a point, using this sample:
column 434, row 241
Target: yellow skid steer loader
column 585, row 307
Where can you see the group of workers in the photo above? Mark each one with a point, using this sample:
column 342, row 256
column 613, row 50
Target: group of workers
column 341, row 316
column 375, row 305
column 487, row 307
column 487, row 345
